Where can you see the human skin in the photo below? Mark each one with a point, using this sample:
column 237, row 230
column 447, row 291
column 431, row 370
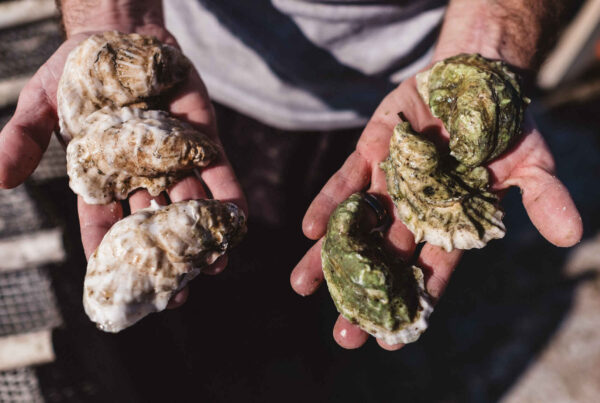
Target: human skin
column 508, row 30
column 492, row 28
column 26, row 136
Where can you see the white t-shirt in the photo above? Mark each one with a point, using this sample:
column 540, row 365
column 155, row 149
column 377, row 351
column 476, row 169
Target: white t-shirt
column 305, row 64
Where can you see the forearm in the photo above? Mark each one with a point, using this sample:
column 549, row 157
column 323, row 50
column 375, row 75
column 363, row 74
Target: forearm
column 102, row 15
column 516, row 31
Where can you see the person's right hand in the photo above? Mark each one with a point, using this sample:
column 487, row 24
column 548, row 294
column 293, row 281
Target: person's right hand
column 26, row 136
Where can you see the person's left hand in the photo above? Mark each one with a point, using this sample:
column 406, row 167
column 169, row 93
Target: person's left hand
column 528, row 165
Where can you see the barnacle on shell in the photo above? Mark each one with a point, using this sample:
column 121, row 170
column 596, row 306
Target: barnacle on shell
column 480, row 103
column 115, row 144
column 440, row 200
column 370, row 286
column 148, row 256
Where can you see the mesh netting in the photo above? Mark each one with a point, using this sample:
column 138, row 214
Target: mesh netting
column 18, row 213
column 26, row 302
column 53, row 164
column 23, row 49
column 19, row 385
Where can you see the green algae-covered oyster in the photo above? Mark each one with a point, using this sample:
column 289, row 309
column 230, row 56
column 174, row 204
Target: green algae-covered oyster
column 370, row 286
column 440, row 200
column 480, row 103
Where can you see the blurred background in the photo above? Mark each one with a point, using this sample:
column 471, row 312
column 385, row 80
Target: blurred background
column 520, row 320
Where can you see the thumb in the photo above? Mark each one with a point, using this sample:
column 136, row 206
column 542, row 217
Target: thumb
column 549, row 206
column 25, row 137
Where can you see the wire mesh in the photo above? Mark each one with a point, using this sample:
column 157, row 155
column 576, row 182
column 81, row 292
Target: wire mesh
column 26, row 302
column 18, row 213
column 23, row 49
column 19, row 385
column 53, row 164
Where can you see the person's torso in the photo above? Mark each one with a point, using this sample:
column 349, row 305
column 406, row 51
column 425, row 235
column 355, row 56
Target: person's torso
column 305, row 64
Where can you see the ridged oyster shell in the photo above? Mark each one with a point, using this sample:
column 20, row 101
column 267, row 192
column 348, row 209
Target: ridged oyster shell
column 370, row 286
column 440, row 201
column 117, row 145
column 480, row 103
column 133, row 148
column 148, row 256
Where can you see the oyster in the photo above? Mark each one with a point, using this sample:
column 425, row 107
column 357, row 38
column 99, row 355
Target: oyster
column 132, row 148
column 108, row 83
column 480, row 103
column 440, row 200
column 369, row 286
column 148, row 256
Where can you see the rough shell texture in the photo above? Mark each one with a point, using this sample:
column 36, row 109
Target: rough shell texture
column 150, row 255
column 480, row 103
column 132, row 148
column 440, row 201
column 369, row 286
column 107, row 83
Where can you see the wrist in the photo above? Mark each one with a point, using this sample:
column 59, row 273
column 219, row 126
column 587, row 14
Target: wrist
column 507, row 30
column 464, row 32
column 82, row 16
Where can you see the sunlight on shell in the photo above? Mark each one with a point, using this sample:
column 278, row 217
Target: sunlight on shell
column 115, row 143
column 149, row 256
column 441, row 201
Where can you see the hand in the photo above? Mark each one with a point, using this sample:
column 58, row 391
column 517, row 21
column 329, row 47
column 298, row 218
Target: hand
column 26, row 136
column 528, row 165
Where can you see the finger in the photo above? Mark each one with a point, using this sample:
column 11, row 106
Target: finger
column 352, row 177
column 530, row 166
column 217, row 267
column 94, row 221
column 549, row 205
column 374, row 144
column 141, row 199
column 406, row 102
column 437, row 265
column 223, row 184
column 389, row 347
column 307, row 276
column 530, row 150
column 25, row 137
column 398, row 238
column 191, row 103
column 179, row 299
column 348, row 335
column 189, row 188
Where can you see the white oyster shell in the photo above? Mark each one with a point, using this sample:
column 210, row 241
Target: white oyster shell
column 132, row 148
column 148, row 256
column 115, row 144
column 441, row 202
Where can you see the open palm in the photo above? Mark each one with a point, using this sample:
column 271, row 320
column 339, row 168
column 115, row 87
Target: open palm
column 25, row 137
column 528, row 165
